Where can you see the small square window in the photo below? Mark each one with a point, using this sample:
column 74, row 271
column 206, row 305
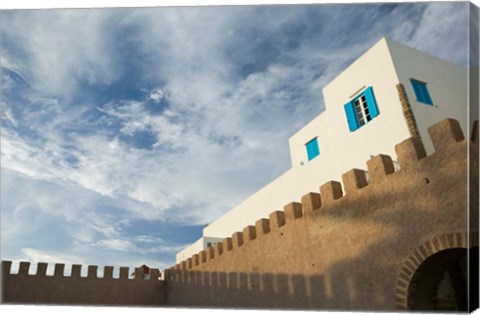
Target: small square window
column 421, row 92
column 312, row 149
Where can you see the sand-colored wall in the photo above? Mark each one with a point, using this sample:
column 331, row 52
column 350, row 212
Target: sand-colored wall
column 40, row 288
column 346, row 247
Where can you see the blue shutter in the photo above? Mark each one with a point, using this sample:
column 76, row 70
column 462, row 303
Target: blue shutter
column 426, row 96
column 351, row 116
column 421, row 92
column 372, row 105
column 417, row 90
column 312, row 149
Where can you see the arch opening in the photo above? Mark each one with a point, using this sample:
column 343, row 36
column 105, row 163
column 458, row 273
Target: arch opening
column 441, row 282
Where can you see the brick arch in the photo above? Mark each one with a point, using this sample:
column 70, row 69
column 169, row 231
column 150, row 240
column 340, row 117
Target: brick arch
column 421, row 253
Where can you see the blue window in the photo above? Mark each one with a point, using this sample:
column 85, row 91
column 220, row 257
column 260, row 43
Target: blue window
column 421, row 92
column 361, row 109
column 312, row 149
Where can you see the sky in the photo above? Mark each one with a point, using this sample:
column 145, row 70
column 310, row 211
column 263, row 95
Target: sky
column 124, row 131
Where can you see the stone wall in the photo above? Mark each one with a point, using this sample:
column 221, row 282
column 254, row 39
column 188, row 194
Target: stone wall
column 347, row 247
column 40, row 288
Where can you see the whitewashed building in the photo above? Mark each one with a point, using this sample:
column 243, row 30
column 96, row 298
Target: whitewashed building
column 390, row 93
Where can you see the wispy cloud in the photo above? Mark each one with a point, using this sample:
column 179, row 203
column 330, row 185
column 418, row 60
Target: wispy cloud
column 55, row 55
column 120, row 245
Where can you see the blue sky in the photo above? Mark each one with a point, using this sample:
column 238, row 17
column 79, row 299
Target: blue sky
column 125, row 131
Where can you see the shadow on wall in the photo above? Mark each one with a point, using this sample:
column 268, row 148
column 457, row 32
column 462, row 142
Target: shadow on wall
column 442, row 287
column 253, row 290
column 357, row 251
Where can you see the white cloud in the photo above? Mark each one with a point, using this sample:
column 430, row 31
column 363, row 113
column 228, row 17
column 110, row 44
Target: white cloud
column 432, row 32
column 49, row 223
column 442, row 31
column 35, row 256
column 157, row 95
column 152, row 246
column 148, row 239
column 56, row 52
column 8, row 116
column 120, row 245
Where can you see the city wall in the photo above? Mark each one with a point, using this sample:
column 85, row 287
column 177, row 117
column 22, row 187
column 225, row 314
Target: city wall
column 352, row 245
column 40, row 288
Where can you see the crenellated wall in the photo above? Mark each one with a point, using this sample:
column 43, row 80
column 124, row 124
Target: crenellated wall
column 352, row 245
column 40, row 288
column 345, row 247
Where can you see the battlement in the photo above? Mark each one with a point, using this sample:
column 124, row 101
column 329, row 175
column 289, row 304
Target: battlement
column 446, row 135
column 76, row 271
column 74, row 289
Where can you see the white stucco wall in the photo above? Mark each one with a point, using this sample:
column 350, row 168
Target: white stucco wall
column 342, row 149
column 382, row 67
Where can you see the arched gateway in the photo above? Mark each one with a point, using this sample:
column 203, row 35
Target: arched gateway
column 435, row 275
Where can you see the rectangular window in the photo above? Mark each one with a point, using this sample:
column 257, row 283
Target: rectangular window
column 312, row 149
column 421, row 92
column 361, row 109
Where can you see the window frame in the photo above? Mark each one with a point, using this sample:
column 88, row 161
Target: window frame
column 361, row 110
